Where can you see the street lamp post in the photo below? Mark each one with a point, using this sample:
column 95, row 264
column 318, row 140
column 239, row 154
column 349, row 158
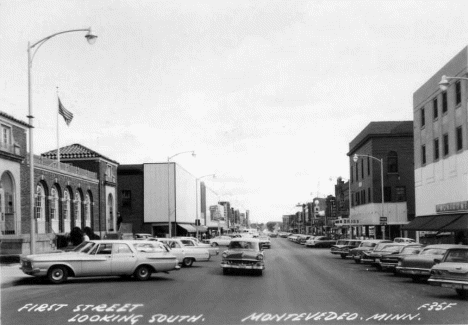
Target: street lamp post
column 168, row 190
column 196, row 195
column 355, row 159
column 91, row 38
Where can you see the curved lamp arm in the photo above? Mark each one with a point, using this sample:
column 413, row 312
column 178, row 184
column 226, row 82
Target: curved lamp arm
column 90, row 36
column 193, row 154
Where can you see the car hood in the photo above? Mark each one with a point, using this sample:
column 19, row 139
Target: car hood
column 242, row 254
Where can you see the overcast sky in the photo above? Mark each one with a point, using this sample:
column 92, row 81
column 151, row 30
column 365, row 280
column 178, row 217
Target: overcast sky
column 268, row 93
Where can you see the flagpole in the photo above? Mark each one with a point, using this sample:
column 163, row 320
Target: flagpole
column 58, row 139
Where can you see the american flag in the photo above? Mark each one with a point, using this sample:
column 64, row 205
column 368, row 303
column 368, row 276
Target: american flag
column 67, row 115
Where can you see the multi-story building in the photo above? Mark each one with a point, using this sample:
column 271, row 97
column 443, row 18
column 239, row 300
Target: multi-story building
column 441, row 152
column 342, row 206
column 375, row 213
column 13, row 151
column 105, row 170
column 66, row 196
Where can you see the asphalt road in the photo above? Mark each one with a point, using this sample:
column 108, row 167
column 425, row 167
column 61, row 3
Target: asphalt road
column 300, row 286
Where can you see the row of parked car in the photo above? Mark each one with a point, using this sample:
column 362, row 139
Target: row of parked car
column 143, row 255
column 312, row 241
column 444, row 265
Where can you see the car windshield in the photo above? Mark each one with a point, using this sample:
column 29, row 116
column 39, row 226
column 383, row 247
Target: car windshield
column 433, row 251
column 84, row 247
column 457, row 256
column 368, row 244
column 379, row 247
column 410, row 250
column 341, row 242
column 391, row 248
column 243, row 245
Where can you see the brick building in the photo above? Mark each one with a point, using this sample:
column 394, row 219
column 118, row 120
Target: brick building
column 66, row 196
column 391, row 141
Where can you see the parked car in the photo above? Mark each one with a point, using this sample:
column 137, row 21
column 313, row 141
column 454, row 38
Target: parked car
column 186, row 254
column 243, row 254
column 343, row 247
column 136, row 258
column 273, row 235
column 220, row 241
column 264, row 241
column 380, row 250
column 195, row 243
column 302, row 239
column 366, row 245
column 452, row 270
column 320, row 241
column 418, row 267
column 389, row 262
column 293, row 237
column 404, row 240
column 142, row 236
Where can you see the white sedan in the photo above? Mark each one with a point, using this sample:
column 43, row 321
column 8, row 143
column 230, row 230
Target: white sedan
column 220, row 241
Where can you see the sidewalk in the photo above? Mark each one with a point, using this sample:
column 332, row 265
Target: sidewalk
column 9, row 274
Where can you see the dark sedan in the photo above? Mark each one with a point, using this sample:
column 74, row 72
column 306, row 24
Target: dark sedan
column 389, row 262
column 418, row 267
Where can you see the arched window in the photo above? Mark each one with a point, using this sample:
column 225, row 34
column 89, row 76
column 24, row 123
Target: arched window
column 40, row 202
column 54, row 204
column 87, row 212
column 392, row 162
column 66, row 205
column 77, row 210
column 110, row 209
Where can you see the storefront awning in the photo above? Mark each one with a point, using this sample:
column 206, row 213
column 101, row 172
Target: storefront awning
column 200, row 228
column 189, row 228
column 459, row 224
column 432, row 222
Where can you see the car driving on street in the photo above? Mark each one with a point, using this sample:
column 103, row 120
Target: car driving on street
column 243, row 254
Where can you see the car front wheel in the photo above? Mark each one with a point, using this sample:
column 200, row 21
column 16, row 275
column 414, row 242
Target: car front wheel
column 187, row 262
column 462, row 293
column 358, row 261
column 343, row 256
column 57, row 274
column 143, row 273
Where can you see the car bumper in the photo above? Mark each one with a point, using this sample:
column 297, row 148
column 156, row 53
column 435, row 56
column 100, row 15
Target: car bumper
column 413, row 271
column 449, row 283
column 33, row 271
column 388, row 266
column 243, row 267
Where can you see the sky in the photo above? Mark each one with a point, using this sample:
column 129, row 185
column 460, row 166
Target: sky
column 269, row 94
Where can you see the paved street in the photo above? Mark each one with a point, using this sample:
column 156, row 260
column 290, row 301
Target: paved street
column 300, row 286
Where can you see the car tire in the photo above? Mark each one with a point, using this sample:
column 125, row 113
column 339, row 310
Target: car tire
column 187, row 262
column 57, row 274
column 357, row 261
column 226, row 271
column 416, row 279
column 214, row 244
column 142, row 273
column 462, row 293
column 343, row 256
column 259, row 272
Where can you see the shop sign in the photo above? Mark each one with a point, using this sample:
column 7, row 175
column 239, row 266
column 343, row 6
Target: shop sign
column 453, row 206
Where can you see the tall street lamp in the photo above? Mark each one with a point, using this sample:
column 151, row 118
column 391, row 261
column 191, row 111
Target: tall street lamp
column 444, row 81
column 355, row 159
column 91, row 38
column 197, row 223
column 168, row 190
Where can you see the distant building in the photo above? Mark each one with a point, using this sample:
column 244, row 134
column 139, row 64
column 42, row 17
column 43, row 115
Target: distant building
column 392, row 142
